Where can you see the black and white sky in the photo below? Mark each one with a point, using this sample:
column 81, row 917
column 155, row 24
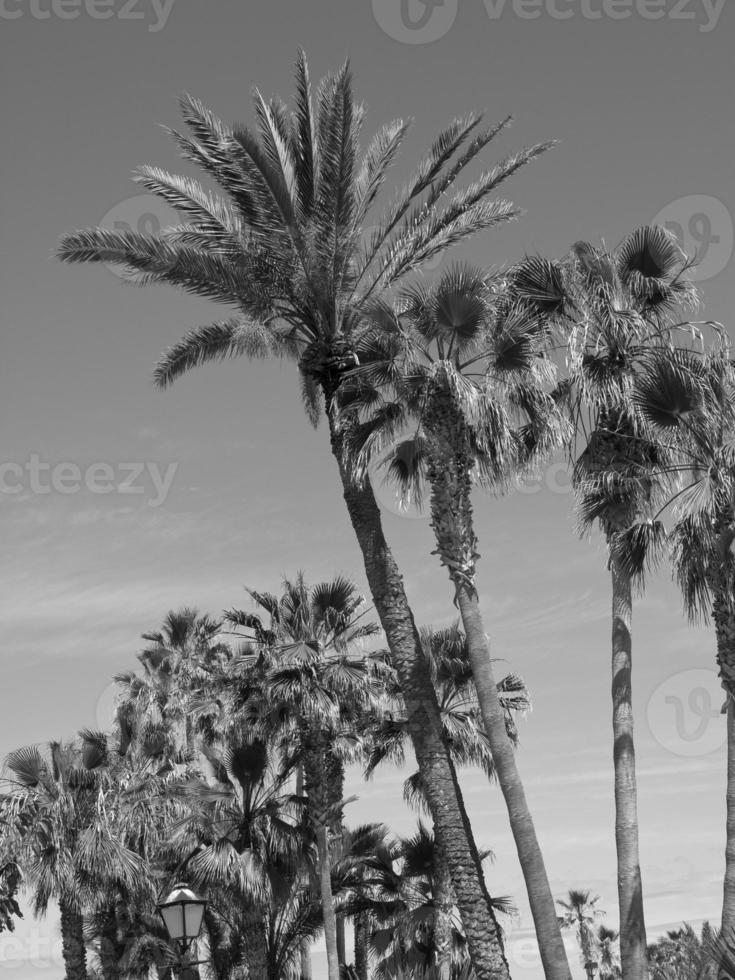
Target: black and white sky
column 119, row 502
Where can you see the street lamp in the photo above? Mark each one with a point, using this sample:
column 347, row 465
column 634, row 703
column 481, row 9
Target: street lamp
column 182, row 912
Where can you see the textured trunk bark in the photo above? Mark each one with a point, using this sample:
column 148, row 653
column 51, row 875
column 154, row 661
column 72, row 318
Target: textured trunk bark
column 256, row 949
column 361, row 947
column 633, row 955
column 541, row 900
column 341, row 941
column 330, row 919
column 723, row 614
column 305, row 945
column 424, row 725
column 728, row 899
column 443, row 905
column 109, row 952
column 319, row 794
column 448, row 470
column 586, row 946
column 72, row 939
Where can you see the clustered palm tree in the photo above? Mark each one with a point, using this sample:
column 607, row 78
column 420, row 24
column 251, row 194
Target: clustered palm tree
column 226, row 767
column 229, row 753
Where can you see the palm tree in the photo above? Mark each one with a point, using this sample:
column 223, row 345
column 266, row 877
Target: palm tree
column 466, row 374
column 65, row 846
column 287, row 252
column 447, row 660
column 10, row 881
column 153, row 706
column 614, row 310
column 683, row 955
column 414, row 921
column 317, row 695
column 609, row 955
column 239, row 836
column 580, row 913
column 690, row 404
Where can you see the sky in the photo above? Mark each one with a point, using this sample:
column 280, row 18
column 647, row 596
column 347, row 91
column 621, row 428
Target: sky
column 119, row 502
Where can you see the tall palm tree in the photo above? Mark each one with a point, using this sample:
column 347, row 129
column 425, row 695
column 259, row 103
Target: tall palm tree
column 447, row 661
column 690, row 404
column 463, row 376
column 176, row 660
column 579, row 911
column 615, row 309
column 287, row 251
column 317, row 695
column 239, row 831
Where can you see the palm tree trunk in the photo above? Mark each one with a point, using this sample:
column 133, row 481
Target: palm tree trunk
column 305, row 945
column 443, row 904
column 451, row 518
column 633, row 955
column 728, row 900
column 541, row 900
column 72, row 939
column 256, row 949
column 723, row 615
column 109, row 952
column 341, row 941
column 361, row 946
column 586, row 947
column 320, row 809
column 438, row 775
column 328, row 915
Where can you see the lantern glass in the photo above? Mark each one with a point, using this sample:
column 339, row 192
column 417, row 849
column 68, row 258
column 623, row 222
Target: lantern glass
column 182, row 913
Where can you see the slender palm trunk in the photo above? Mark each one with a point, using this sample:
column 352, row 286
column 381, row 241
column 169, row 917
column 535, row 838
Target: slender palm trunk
column 728, row 898
column 723, row 614
column 305, row 945
column 361, row 946
column 320, row 810
column 341, row 941
column 109, row 949
column 328, row 915
column 541, row 900
column 448, row 472
column 586, row 947
column 444, row 796
column 443, row 904
column 256, row 948
column 633, row 955
column 72, row 939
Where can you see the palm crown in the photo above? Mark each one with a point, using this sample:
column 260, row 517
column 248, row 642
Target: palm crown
column 288, row 245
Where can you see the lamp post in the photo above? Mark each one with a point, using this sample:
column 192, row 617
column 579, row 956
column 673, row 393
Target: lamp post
column 182, row 912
